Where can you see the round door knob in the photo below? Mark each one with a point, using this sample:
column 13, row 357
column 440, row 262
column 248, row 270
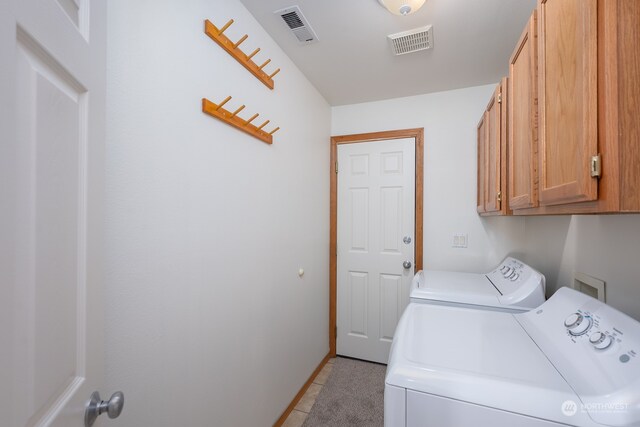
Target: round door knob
column 97, row 406
column 406, row 264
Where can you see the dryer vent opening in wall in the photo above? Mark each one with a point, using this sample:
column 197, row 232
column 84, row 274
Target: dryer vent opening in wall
column 412, row 40
column 298, row 24
column 591, row 286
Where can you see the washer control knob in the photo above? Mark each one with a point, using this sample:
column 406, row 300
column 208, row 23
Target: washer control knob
column 503, row 269
column 600, row 340
column 577, row 324
column 508, row 272
column 515, row 277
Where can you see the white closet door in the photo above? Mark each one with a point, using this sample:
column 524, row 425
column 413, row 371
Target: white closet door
column 376, row 217
column 52, row 87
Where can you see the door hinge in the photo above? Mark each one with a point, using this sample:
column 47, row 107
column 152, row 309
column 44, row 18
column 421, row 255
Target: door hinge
column 596, row 166
column 500, row 98
column 336, row 167
column 499, row 196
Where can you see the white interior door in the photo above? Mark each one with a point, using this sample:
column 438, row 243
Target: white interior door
column 52, row 87
column 376, row 213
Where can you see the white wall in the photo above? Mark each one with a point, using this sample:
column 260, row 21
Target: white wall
column 208, row 321
column 603, row 246
column 449, row 120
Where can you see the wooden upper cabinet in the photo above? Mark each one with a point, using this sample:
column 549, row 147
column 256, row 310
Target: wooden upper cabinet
column 568, row 100
column 492, row 154
column 482, row 164
column 522, row 120
column 574, row 103
column 494, row 127
column 622, row 81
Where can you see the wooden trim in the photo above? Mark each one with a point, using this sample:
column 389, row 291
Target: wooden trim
column 418, row 135
column 419, row 199
column 568, row 209
column 333, row 245
column 301, row 393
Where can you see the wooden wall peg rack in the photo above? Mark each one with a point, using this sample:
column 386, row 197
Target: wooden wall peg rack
column 232, row 118
column 234, row 50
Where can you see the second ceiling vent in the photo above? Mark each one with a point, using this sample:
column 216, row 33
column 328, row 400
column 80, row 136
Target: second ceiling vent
column 412, row 40
column 298, row 24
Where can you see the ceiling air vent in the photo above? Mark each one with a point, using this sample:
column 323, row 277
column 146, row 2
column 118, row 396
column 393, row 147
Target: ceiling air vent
column 298, row 24
column 412, row 40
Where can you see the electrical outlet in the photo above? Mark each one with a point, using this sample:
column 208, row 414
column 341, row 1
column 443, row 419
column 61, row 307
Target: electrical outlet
column 460, row 240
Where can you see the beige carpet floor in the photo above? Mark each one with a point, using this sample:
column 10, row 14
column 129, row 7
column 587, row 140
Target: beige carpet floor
column 352, row 396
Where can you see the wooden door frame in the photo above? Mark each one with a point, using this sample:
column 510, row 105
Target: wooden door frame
column 418, row 135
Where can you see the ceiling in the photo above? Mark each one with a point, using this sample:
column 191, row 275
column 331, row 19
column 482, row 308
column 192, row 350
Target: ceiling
column 352, row 61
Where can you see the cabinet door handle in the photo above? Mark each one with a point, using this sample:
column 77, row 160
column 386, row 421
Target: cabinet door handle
column 596, row 166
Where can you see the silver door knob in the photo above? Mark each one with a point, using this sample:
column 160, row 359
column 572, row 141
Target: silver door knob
column 97, row 406
column 406, row 240
column 406, row 264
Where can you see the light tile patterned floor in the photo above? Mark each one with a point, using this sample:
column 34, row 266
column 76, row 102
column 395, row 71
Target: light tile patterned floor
column 299, row 414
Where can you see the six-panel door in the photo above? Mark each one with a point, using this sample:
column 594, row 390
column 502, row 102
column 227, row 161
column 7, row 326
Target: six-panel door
column 376, row 222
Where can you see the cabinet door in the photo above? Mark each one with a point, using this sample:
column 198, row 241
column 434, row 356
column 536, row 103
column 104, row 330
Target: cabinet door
column 628, row 26
column 494, row 152
column 482, row 162
column 522, row 120
column 567, row 43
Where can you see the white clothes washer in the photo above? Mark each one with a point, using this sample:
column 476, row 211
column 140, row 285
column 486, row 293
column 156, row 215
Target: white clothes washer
column 574, row 361
column 512, row 286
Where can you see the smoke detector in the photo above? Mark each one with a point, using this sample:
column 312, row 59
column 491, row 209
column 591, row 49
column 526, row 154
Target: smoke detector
column 298, row 24
column 412, row 40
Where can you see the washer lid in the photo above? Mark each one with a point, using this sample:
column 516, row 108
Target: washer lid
column 449, row 286
column 477, row 356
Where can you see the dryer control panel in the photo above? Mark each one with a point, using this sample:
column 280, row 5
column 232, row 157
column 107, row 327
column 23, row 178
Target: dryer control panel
column 518, row 283
column 596, row 349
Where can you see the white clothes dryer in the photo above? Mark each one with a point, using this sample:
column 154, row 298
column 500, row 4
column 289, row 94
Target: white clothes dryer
column 512, row 286
column 574, row 361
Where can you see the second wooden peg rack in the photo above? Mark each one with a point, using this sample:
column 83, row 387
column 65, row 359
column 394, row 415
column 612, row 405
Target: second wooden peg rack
column 233, row 49
column 228, row 117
